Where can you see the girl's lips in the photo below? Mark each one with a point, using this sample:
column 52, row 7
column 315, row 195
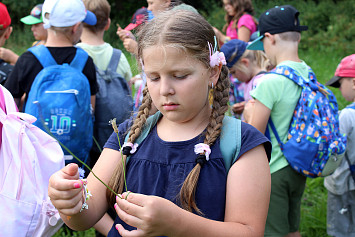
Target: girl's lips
column 170, row 107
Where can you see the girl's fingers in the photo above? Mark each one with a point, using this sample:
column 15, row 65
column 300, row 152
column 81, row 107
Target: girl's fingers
column 71, row 209
column 56, row 194
column 128, row 212
column 135, row 198
column 126, row 233
column 68, row 203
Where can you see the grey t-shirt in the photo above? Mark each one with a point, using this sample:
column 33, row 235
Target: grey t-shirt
column 341, row 181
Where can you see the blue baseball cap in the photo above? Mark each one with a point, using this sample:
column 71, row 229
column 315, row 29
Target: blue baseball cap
column 277, row 20
column 233, row 50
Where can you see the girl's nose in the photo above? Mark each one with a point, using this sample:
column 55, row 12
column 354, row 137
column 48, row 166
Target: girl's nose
column 166, row 87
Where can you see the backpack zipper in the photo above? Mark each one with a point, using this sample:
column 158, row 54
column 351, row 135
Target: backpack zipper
column 70, row 91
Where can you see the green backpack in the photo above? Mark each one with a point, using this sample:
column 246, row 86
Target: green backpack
column 230, row 140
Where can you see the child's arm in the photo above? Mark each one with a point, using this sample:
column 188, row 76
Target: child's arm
column 258, row 115
column 8, row 56
column 67, row 196
column 247, row 201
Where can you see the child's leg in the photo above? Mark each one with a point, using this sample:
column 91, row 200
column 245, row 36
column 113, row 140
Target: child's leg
column 341, row 214
column 287, row 188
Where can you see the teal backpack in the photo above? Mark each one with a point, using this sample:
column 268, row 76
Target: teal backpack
column 230, row 138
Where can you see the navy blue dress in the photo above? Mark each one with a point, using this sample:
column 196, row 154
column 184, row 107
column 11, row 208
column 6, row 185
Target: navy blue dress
column 159, row 168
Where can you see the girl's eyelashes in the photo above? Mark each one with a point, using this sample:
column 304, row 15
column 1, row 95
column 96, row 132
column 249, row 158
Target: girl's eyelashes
column 181, row 76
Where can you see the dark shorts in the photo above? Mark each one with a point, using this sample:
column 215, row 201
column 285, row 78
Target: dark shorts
column 341, row 214
column 287, row 188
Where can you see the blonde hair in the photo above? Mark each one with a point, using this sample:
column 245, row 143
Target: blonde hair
column 191, row 33
column 101, row 9
column 240, row 7
column 256, row 57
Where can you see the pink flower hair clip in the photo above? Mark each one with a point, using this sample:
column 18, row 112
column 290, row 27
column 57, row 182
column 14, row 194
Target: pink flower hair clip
column 216, row 58
column 203, row 148
column 129, row 148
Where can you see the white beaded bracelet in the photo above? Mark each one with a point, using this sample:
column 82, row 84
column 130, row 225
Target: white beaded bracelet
column 86, row 194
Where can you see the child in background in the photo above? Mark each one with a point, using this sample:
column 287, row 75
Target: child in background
column 248, row 66
column 154, row 8
column 5, row 68
column 175, row 52
column 240, row 23
column 341, row 184
column 36, row 22
column 63, row 34
column 7, row 57
column 92, row 41
column 277, row 96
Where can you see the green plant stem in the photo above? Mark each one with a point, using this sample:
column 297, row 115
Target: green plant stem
column 97, row 144
column 71, row 153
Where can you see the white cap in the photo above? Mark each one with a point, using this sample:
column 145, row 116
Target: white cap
column 65, row 13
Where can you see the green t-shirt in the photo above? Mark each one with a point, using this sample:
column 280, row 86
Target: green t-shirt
column 280, row 95
column 101, row 54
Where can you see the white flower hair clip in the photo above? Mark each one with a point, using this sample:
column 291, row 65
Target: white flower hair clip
column 203, row 148
column 216, row 58
column 129, row 148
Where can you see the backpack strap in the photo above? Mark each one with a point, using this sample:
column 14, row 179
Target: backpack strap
column 43, row 55
column 115, row 59
column 294, row 76
column 230, row 139
column 80, row 59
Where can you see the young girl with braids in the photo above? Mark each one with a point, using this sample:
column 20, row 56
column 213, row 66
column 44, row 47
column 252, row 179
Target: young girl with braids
column 177, row 179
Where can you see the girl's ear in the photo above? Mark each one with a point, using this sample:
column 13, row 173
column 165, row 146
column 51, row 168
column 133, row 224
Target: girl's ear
column 245, row 61
column 353, row 80
column 215, row 72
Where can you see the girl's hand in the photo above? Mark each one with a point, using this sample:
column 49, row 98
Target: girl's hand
column 130, row 45
column 151, row 215
column 238, row 108
column 123, row 34
column 65, row 190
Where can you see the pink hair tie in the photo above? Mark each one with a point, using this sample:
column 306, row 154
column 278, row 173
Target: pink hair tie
column 129, row 148
column 203, row 148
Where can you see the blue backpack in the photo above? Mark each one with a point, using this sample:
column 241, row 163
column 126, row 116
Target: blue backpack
column 230, row 138
column 315, row 147
column 113, row 99
column 60, row 100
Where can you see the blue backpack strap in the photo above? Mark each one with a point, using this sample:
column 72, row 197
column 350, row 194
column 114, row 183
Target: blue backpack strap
column 80, row 59
column 115, row 59
column 43, row 55
column 230, row 140
column 273, row 128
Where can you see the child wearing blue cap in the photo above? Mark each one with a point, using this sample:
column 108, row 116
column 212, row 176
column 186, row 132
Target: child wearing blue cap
column 247, row 66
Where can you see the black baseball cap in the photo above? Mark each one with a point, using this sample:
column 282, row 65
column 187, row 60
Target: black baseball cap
column 277, row 20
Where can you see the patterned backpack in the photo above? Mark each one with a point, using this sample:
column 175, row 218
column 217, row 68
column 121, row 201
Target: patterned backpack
column 315, row 147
